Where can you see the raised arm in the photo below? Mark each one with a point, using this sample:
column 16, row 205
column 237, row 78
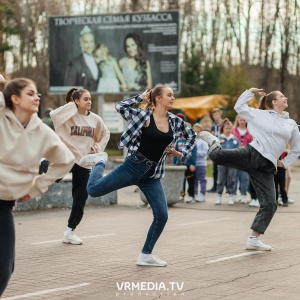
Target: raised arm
column 126, row 107
column 241, row 106
column 63, row 114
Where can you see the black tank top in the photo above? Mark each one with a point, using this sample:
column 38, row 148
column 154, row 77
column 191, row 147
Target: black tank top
column 154, row 141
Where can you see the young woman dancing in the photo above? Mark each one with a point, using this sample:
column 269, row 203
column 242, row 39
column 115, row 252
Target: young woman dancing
column 24, row 140
column 271, row 129
column 149, row 137
column 83, row 132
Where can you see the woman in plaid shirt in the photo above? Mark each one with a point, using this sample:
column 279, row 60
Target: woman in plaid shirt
column 149, row 137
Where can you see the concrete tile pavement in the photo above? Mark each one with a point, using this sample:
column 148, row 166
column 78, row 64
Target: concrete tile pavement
column 204, row 246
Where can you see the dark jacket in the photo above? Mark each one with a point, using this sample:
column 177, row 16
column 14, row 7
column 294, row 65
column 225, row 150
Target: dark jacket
column 78, row 74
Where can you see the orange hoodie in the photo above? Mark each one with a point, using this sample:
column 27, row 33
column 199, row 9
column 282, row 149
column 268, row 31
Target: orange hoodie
column 20, row 153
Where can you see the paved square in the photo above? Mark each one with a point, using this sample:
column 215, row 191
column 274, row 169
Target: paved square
column 204, row 246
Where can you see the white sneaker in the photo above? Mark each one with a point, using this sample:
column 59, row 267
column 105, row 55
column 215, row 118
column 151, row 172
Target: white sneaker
column 280, row 201
column 253, row 243
column 71, row 238
column 209, row 138
column 219, row 199
column 254, row 203
column 181, row 199
column 150, row 260
column 189, row 199
column 243, row 199
column 231, row 199
column 91, row 159
column 200, row 198
column 290, row 201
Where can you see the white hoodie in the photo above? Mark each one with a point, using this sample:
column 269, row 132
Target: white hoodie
column 271, row 131
column 81, row 133
column 20, row 153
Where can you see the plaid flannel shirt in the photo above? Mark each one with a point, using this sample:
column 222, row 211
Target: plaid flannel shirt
column 136, row 118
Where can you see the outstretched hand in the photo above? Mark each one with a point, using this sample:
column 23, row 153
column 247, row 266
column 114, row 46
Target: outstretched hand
column 258, row 92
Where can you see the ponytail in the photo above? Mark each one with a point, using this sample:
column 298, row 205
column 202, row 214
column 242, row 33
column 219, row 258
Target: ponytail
column 262, row 103
column 266, row 101
column 74, row 94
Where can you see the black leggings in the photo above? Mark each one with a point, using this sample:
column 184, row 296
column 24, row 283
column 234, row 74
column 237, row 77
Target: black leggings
column 79, row 182
column 7, row 243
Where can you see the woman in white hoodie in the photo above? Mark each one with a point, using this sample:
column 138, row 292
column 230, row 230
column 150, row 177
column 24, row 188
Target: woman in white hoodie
column 84, row 133
column 272, row 130
column 24, row 140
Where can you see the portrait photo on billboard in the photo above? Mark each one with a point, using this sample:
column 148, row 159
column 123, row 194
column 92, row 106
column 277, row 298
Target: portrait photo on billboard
column 114, row 53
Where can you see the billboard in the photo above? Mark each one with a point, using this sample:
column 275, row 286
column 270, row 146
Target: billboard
column 114, row 53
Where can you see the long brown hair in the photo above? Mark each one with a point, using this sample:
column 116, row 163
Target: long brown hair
column 15, row 87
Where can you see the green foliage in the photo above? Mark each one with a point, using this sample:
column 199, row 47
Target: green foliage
column 234, row 81
column 197, row 77
column 211, row 79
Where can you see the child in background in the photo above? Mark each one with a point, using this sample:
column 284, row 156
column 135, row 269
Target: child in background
column 227, row 175
column 279, row 179
column 190, row 163
column 200, row 173
column 241, row 132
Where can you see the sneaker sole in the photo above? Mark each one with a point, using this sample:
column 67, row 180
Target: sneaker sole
column 149, row 265
column 257, row 248
column 71, row 242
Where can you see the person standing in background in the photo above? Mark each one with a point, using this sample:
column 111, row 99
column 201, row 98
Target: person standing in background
column 216, row 114
column 189, row 162
column 241, row 132
column 84, row 133
column 201, row 163
column 227, row 175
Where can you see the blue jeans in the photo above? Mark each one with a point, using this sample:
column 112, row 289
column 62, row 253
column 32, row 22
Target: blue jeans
column 134, row 172
column 226, row 177
column 243, row 180
column 200, row 176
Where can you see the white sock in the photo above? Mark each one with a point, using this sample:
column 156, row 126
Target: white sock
column 144, row 255
column 68, row 230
